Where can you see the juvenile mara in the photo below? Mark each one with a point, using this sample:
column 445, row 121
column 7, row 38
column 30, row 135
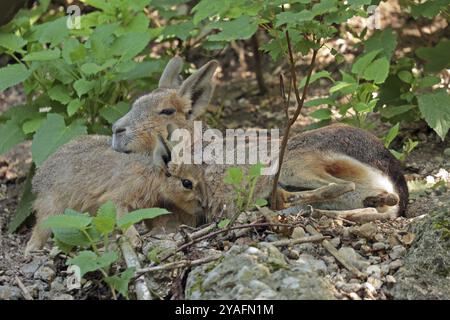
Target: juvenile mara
column 86, row 173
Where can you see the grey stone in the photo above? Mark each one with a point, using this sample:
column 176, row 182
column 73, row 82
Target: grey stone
column 426, row 270
column 45, row 273
column 10, row 293
column 377, row 246
column 355, row 258
column 30, row 268
column 447, row 152
column 374, row 271
column 394, row 265
column 260, row 272
column 397, row 252
column 62, row 296
column 298, row 232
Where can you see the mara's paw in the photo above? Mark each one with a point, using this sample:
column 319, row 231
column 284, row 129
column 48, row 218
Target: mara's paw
column 382, row 199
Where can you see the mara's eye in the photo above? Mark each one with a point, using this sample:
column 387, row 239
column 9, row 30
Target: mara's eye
column 167, row 112
column 187, row 183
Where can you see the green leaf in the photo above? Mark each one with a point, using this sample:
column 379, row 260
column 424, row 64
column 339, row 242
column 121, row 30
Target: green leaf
column 377, row 71
column 340, row 85
column 25, row 207
column 428, row 81
column 255, row 170
column 105, row 220
column 293, row 18
column 88, row 261
column 11, row 134
column 318, row 102
column 60, row 93
column 223, row 223
column 384, row 41
column 393, row 132
column 363, row 62
column 53, row 32
column 13, row 74
column 405, row 76
column 121, row 283
column 325, row 6
column 32, row 125
column 78, row 221
column 429, row 9
column 130, row 44
column 82, row 86
column 437, row 58
column 44, row 55
column 71, row 237
column 321, row 114
column 73, row 106
column 90, row 68
column 435, row 108
column 137, row 216
column 12, row 42
column 209, row 8
column 52, row 134
column 316, row 76
column 261, row 202
column 113, row 113
column 362, row 107
column 392, row 111
column 241, row 28
column 234, row 176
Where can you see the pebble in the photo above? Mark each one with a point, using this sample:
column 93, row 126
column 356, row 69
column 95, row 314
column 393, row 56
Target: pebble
column 293, row 254
column 367, row 230
column 298, row 233
column 62, row 296
column 374, row 271
column 335, row 242
column 355, row 258
column 390, row 279
column 379, row 237
column 394, row 265
column 397, row 252
column 10, row 293
column 30, row 268
column 377, row 246
column 375, row 282
column 354, row 296
column 447, row 152
column 45, row 273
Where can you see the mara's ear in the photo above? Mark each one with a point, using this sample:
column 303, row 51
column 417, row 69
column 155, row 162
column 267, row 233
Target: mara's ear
column 161, row 153
column 170, row 77
column 199, row 88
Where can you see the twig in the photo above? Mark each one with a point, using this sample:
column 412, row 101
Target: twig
column 215, row 233
column 24, row 289
column 178, row 264
column 290, row 122
column 199, row 233
column 332, row 250
column 132, row 260
column 291, row 242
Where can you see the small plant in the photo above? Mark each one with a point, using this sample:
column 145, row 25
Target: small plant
column 244, row 187
column 408, row 146
column 90, row 238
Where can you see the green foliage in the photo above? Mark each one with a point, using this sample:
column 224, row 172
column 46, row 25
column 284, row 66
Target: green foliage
column 89, row 238
column 244, row 188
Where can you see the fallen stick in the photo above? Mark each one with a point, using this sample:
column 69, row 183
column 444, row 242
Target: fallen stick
column 215, row 233
column 178, row 264
column 132, row 260
column 199, row 233
column 24, row 289
column 332, row 250
column 360, row 216
column 291, row 242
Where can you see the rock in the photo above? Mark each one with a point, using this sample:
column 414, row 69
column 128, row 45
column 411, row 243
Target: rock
column 379, row 237
column 374, row 271
column 293, row 254
column 355, row 258
column 447, row 152
column 397, row 252
column 298, row 233
column 10, row 293
column 390, row 279
column 62, row 296
column 394, row 265
column 354, row 296
column 377, row 246
column 367, row 230
column 256, row 273
column 45, row 273
column 30, row 268
column 375, row 282
column 426, row 270
column 349, row 287
column 309, row 263
column 335, row 242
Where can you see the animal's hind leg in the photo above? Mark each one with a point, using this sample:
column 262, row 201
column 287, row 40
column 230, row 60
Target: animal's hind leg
column 362, row 215
column 325, row 193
